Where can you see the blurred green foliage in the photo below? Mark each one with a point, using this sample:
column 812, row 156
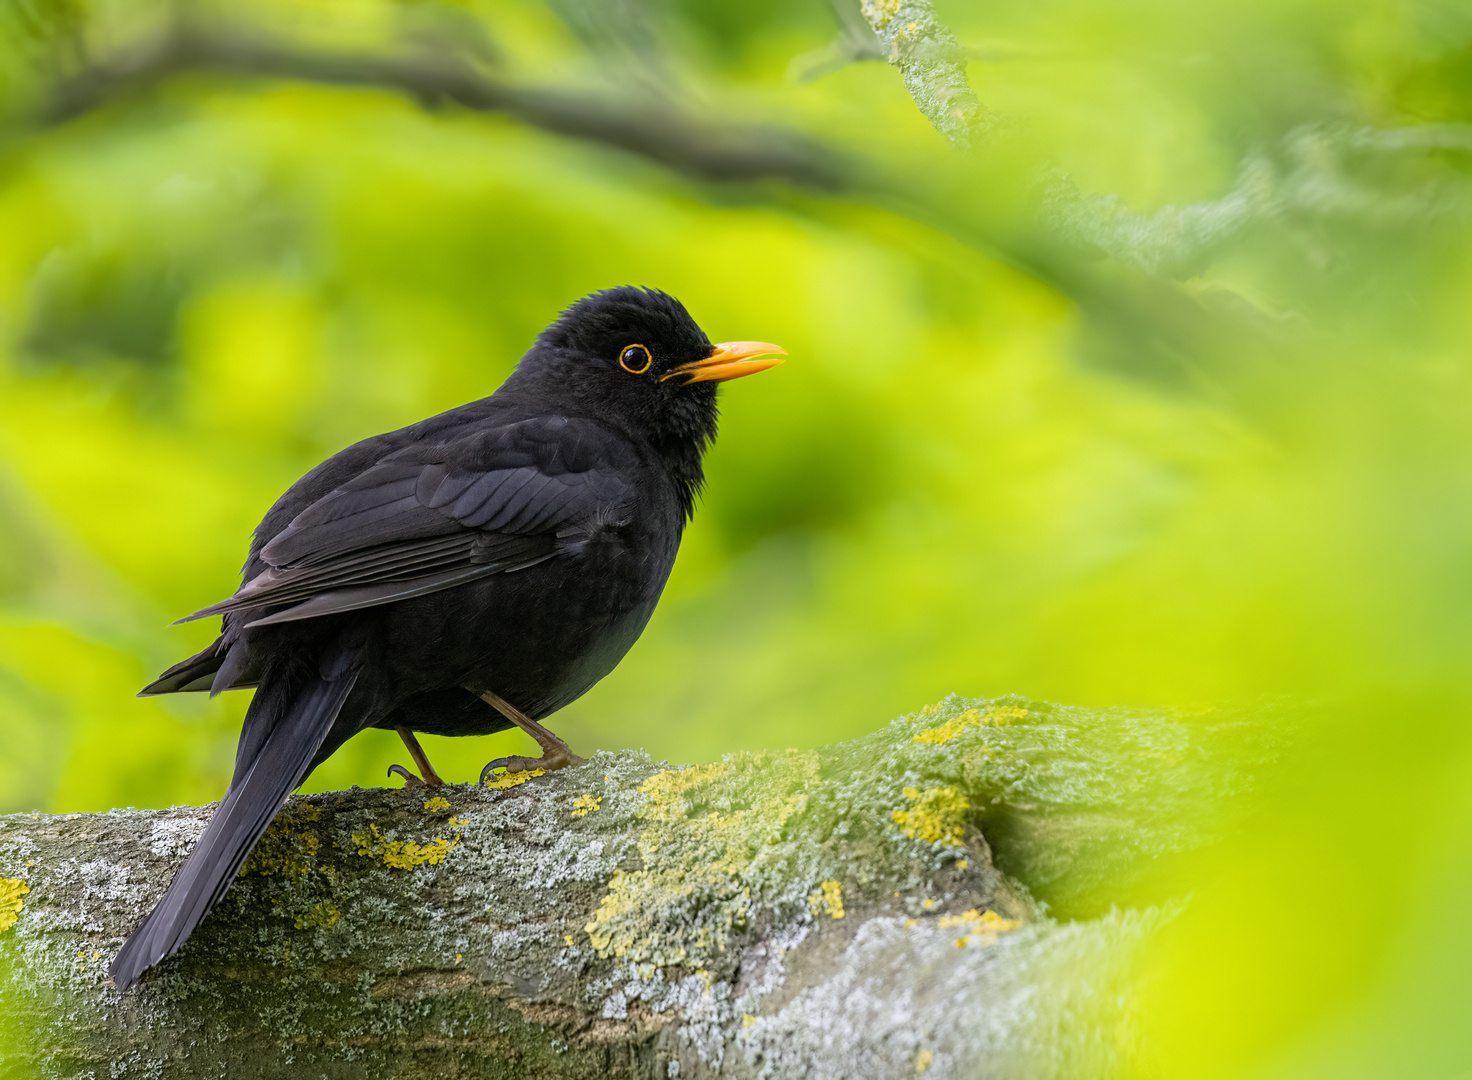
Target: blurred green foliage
column 962, row 480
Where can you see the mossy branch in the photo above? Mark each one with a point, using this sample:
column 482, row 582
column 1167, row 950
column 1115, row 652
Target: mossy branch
column 875, row 908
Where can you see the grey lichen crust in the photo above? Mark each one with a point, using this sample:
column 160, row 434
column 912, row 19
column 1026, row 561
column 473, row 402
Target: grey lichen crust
column 884, row 907
column 932, row 64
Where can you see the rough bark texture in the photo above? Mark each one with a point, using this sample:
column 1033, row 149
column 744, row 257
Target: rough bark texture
column 957, row 894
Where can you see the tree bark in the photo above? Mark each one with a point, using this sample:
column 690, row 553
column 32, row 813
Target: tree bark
column 957, row 894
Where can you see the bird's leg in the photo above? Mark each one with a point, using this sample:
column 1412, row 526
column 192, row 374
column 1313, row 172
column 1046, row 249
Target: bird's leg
column 426, row 770
column 556, row 754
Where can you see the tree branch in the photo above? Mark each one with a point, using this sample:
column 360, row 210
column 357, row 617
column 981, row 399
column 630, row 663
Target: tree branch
column 932, row 64
column 1004, row 226
column 653, row 130
column 869, row 909
column 1030, row 219
column 1316, row 174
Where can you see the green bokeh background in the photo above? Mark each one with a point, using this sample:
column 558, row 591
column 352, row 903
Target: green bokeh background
column 959, row 481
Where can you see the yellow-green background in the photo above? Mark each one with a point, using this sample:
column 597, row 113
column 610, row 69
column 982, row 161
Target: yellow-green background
column 951, row 486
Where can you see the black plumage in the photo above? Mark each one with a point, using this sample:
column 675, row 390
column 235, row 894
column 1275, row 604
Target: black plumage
column 477, row 569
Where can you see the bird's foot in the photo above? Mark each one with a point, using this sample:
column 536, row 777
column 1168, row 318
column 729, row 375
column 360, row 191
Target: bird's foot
column 426, row 770
column 556, row 754
column 559, row 757
column 410, row 780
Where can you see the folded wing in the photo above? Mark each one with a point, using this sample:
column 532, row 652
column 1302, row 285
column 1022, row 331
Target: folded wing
column 431, row 518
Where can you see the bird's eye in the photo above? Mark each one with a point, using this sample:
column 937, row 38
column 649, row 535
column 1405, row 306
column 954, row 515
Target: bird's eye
column 635, row 359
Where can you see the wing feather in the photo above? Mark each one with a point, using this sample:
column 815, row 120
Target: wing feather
column 429, row 518
column 337, row 601
column 482, row 498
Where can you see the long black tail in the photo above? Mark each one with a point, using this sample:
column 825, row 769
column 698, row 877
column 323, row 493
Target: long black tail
column 284, row 727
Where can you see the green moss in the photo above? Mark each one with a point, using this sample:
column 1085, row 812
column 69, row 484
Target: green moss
column 287, row 848
column 323, row 914
column 706, row 825
column 302, row 884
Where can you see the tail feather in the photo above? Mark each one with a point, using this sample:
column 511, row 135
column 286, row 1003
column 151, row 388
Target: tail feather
column 296, row 719
column 196, row 673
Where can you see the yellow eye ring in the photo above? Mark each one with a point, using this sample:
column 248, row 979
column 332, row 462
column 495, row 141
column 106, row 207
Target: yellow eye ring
column 630, row 357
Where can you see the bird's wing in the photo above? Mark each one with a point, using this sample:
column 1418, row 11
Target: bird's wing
column 429, row 518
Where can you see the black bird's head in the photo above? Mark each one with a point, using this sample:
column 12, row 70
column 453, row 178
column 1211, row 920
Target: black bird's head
column 634, row 358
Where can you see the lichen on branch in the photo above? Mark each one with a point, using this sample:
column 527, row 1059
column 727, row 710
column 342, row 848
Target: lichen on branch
column 932, row 64
column 841, row 911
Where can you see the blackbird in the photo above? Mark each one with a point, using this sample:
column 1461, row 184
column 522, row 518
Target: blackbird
column 479, row 569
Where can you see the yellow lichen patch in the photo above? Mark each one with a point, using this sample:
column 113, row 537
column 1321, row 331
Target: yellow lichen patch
column 747, row 1020
column 923, row 1060
column 993, row 716
column 611, row 910
column 514, row 779
column 439, row 802
column 879, row 12
column 666, row 790
column 12, row 900
column 950, row 922
column 828, row 896
column 707, row 825
column 584, row 805
column 937, row 815
column 286, row 848
column 1002, row 715
column 982, row 927
column 322, row 915
column 951, row 729
column 402, row 854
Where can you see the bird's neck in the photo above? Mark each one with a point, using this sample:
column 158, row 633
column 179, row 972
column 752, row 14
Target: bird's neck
column 682, row 462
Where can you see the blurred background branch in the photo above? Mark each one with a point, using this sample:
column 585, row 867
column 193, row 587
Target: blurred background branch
column 439, row 76
column 932, row 64
column 1051, row 233
column 1038, row 221
column 855, row 42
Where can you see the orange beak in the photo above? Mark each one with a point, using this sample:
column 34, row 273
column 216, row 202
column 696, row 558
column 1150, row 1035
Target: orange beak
column 730, row 360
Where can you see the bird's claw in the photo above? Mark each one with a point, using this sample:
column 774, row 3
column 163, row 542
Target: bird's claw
column 516, row 764
column 410, row 780
column 555, row 753
column 505, row 763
